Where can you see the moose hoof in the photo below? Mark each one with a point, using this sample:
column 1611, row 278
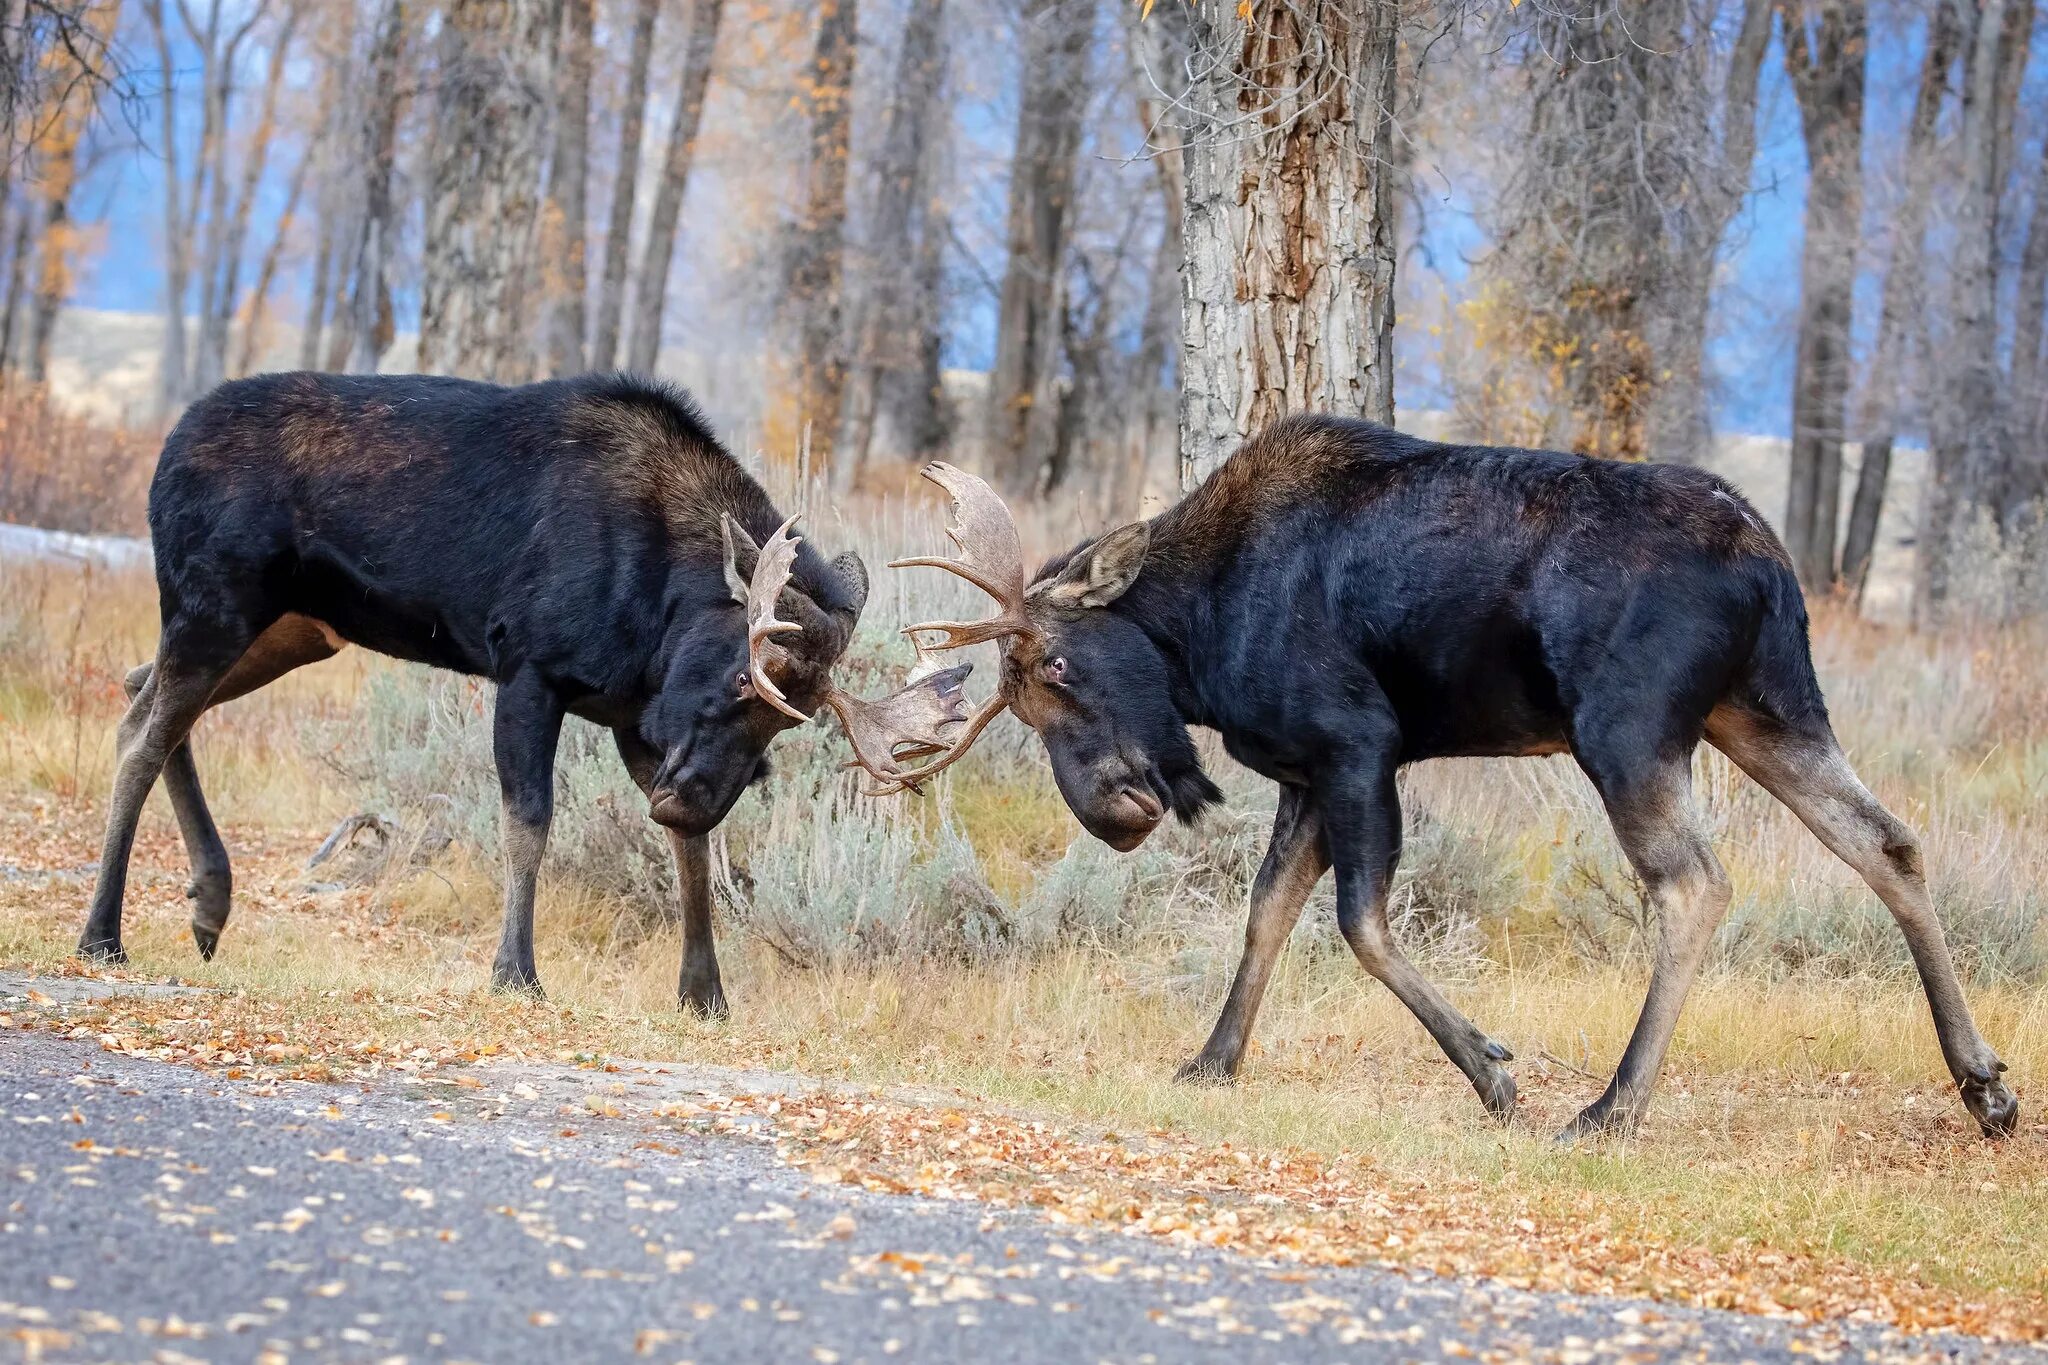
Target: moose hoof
column 1205, row 1071
column 708, row 1005
column 1996, row 1109
column 207, row 938
column 104, row 952
column 523, row 984
column 1496, row 1090
column 1596, row 1121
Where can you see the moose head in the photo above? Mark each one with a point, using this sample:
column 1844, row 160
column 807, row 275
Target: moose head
column 1090, row 680
column 716, row 715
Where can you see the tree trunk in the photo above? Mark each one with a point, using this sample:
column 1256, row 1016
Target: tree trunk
column 618, row 239
column 1898, row 313
column 566, row 228
column 483, row 189
column 1825, row 44
column 888, row 345
column 218, row 323
column 1969, row 457
column 815, row 261
column 17, row 281
column 1288, row 301
column 1023, row 404
column 651, row 293
column 370, row 323
column 1158, row 51
column 177, row 243
column 1678, row 427
column 266, row 274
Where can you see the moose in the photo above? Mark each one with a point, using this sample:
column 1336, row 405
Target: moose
column 586, row 544
column 1339, row 599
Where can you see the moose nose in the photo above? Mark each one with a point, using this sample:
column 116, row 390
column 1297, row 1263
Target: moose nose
column 1149, row 808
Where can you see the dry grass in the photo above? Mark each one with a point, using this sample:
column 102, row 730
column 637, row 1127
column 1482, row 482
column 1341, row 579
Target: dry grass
column 1804, row 1112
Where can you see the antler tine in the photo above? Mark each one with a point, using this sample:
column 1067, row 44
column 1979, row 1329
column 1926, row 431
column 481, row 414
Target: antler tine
column 910, row 779
column 771, row 571
column 991, row 558
column 902, row 727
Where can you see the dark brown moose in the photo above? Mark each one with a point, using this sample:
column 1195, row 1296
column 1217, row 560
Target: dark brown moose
column 1339, row 599
column 586, row 544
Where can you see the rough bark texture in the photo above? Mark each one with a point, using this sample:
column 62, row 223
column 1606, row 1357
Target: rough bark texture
column 1970, row 456
column 1158, row 53
column 695, row 79
column 889, row 337
column 817, row 247
column 1288, row 301
column 370, row 323
column 1678, row 427
column 484, row 188
column 618, row 237
column 1022, row 429
column 1825, row 46
column 1898, row 313
column 565, row 229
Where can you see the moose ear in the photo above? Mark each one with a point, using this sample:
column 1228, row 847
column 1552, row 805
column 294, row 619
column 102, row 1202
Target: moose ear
column 741, row 555
column 854, row 575
column 1104, row 571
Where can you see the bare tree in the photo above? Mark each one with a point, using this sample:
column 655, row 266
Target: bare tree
column 1898, row 312
column 1288, row 300
column 651, row 295
column 224, row 264
column 1022, row 430
column 889, row 341
column 618, row 238
column 1825, row 46
column 817, row 246
column 566, row 225
column 1972, row 476
column 1158, row 47
column 483, row 188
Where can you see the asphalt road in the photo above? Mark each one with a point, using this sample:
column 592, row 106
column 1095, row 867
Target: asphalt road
column 151, row 1212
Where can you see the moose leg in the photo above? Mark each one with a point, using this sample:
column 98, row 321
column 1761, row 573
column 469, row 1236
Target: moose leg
column 1806, row 769
column 191, row 661
column 1649, row 800
column 1364, row 840
column 290, row 643
column 524, row 731
column 697, row 987
column 1295, row 861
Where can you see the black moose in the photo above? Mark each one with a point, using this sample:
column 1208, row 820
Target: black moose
column 1339, row 599
column 586, row 544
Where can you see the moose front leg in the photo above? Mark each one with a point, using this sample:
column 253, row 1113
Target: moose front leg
column 1295, row 860
column 1363, row 815
column 698, row 988
column 524, row 733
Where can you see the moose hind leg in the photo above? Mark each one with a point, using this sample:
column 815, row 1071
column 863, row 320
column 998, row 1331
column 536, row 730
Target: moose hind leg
column 1806, row 769
column 212, row 887
column 166, row 703
column 291, row 642
column 1295, row 861
column 1364, row 841
column 1650, row 803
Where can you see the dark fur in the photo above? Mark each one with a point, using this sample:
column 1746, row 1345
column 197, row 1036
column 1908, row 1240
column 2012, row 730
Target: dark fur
column 561, row 539
column 1339, row 599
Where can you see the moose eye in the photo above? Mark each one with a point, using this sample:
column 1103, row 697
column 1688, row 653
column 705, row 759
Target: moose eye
column 1056, row 669
column 743, row 684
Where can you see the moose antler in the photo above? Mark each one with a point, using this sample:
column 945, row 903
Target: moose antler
column 992, row 559
column 771, row 573
column 903, row 727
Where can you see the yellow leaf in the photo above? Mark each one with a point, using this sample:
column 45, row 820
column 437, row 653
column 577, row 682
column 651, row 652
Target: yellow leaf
column 1244, row 10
